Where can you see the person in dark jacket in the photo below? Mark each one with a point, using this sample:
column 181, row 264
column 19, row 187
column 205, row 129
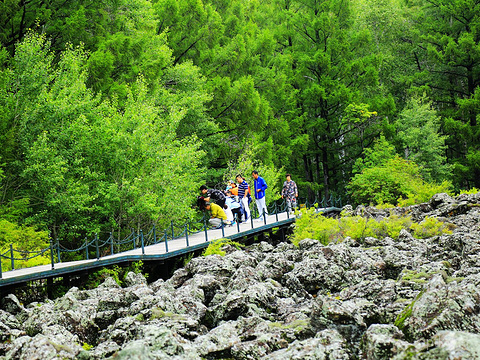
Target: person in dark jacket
column 217, row 196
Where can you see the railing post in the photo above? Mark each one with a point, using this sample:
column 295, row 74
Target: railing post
column 141, row 239
column 205, row 229
column 96, row 246
column 186, row 233
column 12, row 260
column 111, row 244
column 264, row 217
column 276, row 212
column 51, row 254
column 238, row 222
column 154, row 234
column 251, row 219
column 288, row 213
column 166, row 241
column 134, row 239
column 173, row 231
column 58, row 251
column 86, row 247
column 223, row 231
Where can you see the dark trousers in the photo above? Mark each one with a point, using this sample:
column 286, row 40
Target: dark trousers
column 237, row 213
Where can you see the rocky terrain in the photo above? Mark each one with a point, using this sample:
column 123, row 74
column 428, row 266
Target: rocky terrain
column 382, row 299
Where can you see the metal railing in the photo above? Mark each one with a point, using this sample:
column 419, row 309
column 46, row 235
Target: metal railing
column 137, row 239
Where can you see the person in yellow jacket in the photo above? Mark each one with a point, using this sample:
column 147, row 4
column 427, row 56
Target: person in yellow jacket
column 217, row 215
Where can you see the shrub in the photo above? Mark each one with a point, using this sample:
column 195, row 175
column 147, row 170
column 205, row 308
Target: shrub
column 215, row 247
column 356, row 227
column 392, row 226
column 383, row 177
column 27, row 241
column 429, row 227
column 422, row 192
column 469, row 192
column 326, row 230
column 311, row 225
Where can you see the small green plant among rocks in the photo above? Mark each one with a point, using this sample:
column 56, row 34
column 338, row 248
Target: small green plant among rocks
column 313, row 225
column 116, row 272
column 215, row 247
column 429, row 227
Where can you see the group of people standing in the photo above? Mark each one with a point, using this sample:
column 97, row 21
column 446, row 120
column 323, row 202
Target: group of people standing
column 234, row 202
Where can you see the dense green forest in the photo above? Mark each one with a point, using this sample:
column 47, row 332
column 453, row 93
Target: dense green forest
column 113, row 112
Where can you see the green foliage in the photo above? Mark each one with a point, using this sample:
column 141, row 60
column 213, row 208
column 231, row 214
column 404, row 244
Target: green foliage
column 421, row 192
column 99, row 277
column 469, row 192
column 215, row 247
column 405, row 314
column 116, row 272
column 311, row 225
column 188, row 258
column 114, row 115
column 387, row 178
column 418, row 129
column 86, row 346
column 27, row 242
column 92, row 164
column 430, row 227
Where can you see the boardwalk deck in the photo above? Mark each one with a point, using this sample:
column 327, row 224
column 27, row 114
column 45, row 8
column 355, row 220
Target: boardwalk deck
column 158, row 251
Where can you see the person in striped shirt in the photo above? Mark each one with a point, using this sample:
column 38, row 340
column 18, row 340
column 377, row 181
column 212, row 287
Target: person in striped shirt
column 244, row 195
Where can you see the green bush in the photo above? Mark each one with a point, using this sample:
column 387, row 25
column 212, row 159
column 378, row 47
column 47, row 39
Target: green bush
column 27, row 241
column 469, row 192
column 385, row 178
column 215, row 247
column 326, row 230
column 116, row 272
column 422, row 192
column 392, row 226
column 311, row 225
column 429, row 227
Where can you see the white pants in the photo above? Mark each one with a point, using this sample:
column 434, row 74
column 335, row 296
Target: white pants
column 245, row 207
column 229, row 214
column 261, row 207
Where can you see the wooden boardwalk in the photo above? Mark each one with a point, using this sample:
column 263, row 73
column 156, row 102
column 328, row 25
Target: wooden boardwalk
column 158, row 251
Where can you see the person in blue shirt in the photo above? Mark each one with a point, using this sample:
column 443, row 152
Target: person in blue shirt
column 260, row 186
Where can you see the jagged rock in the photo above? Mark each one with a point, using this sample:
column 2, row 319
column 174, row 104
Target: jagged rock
column 179, row 277
column 219, row 340
column 382, row 342
column 443, row 307
column 314, row 272
column 104, row 350
column 459, row 344
column 134, row 279
column 359, row 312
column 382, row 298
column 11, row 304
column 41, row 347
column 327, row 344
column 255, row 300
